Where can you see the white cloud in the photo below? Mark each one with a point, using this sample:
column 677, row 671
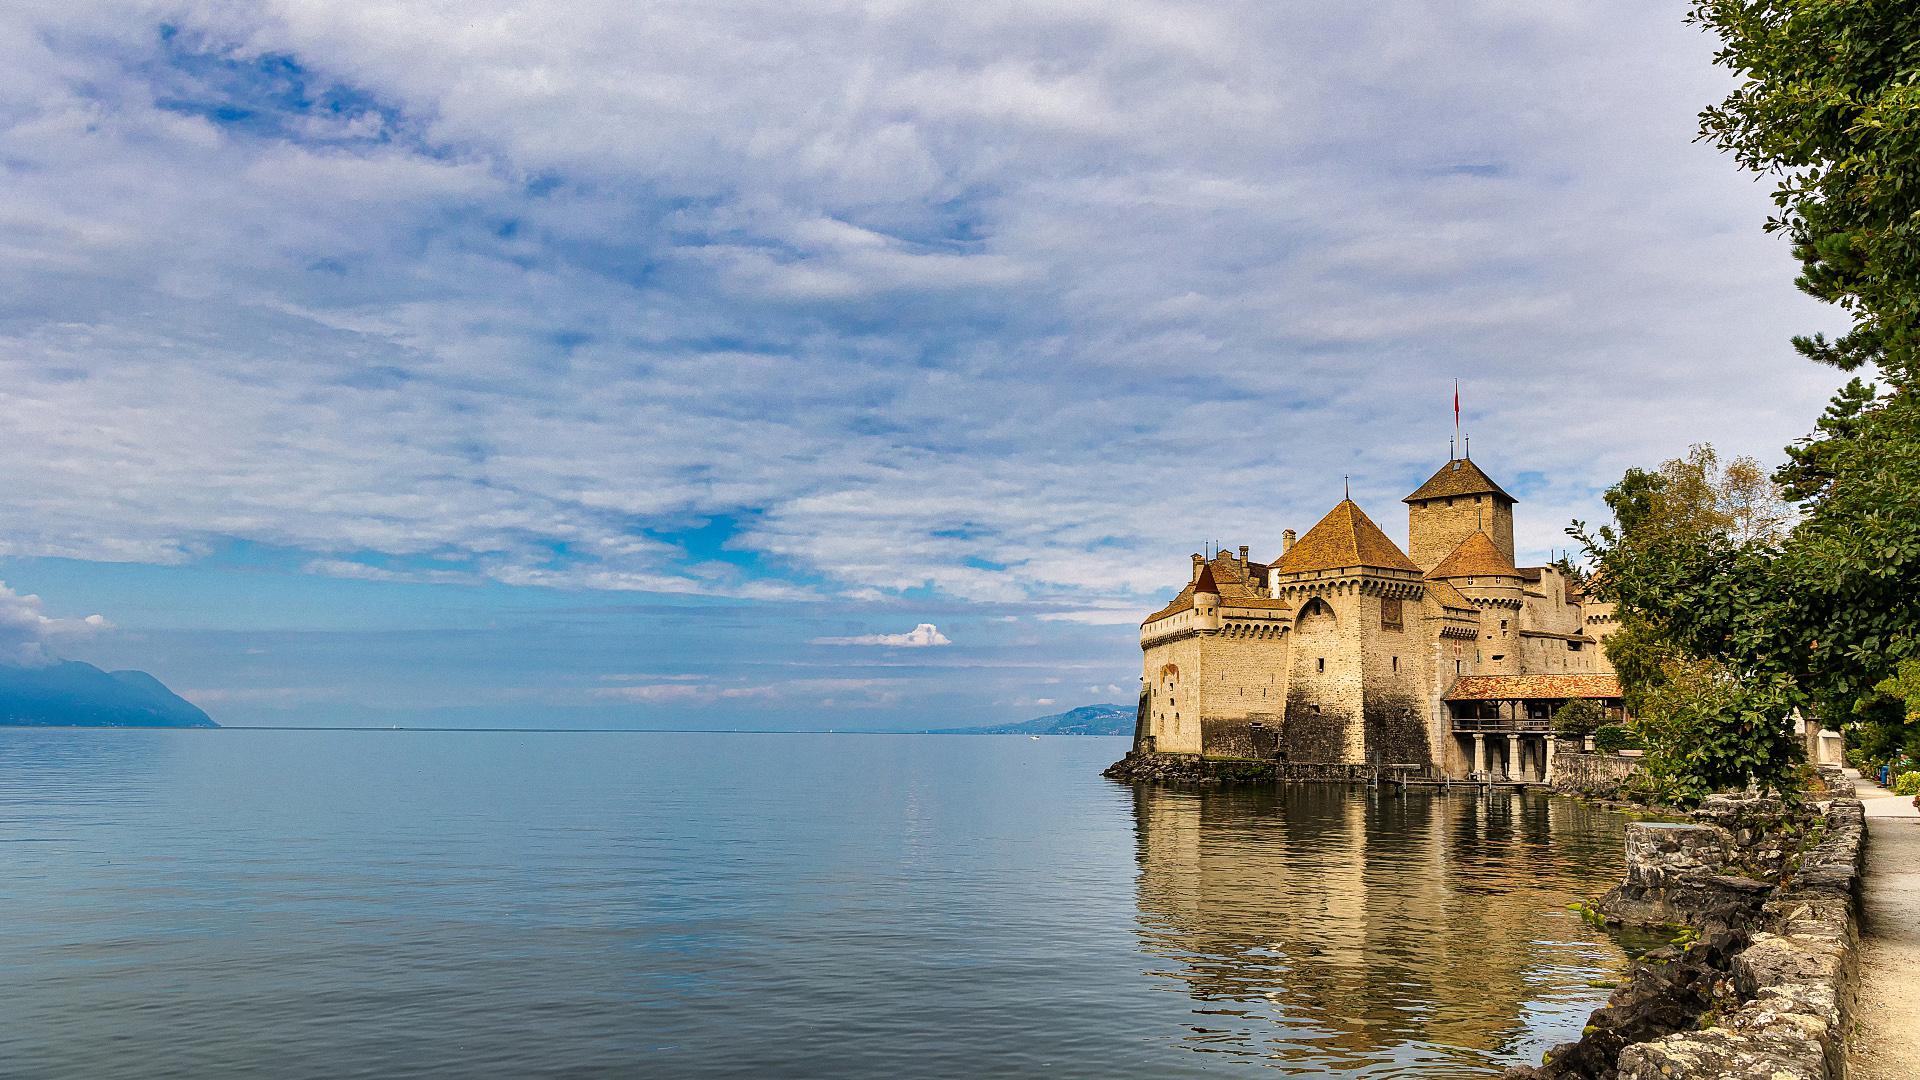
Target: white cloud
column 282, row 697
column 851, row 693
column 29, row 637
column 970, row 308
column 922, row 635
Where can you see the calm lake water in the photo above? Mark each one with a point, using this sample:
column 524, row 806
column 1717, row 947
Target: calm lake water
column 216, row 904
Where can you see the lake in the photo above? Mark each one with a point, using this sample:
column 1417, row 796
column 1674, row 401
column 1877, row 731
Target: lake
column 247, row 903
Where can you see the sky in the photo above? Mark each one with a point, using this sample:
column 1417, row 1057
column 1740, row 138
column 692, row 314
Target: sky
column 817, row 365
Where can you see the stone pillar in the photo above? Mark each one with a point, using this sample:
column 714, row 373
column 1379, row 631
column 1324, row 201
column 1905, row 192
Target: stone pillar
column 1513, row 757
column 1547, row 777
column 1479, row 753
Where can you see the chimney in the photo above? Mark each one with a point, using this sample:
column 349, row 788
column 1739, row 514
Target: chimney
column 1197, row 560
column 1243, row 554
column 1286, row 541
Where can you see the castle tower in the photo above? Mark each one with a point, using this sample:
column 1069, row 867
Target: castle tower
column 1453, row 504
column 1486, row 575
column 1357, row 664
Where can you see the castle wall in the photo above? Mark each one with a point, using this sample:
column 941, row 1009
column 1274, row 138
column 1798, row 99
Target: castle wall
column 1245, row 686
column 1325, row 700
column 1436, row 526
column 1395, row 717
column 1172, row 671
column 1220, row 686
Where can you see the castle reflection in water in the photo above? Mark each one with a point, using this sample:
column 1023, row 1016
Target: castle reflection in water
column 1333, row 930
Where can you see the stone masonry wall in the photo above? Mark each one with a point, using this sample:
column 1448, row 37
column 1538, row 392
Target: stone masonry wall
column 1761, row 987
column 1323, row 718
column 1576, row 774
column 1796, row 979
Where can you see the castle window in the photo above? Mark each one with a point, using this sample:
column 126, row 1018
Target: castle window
column 1499, row 656
column 1396, row 663
column 1315, row 708
column 1503, row 626
column 1573, row 646
column 1323, row 663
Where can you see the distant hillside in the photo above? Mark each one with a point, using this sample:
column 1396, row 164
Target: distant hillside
column 73, row 694
column 1085, row 720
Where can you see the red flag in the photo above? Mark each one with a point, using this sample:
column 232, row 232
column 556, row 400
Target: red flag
column 1456, row 417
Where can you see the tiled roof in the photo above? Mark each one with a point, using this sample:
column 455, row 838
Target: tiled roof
column 1345, row 537
column 1475, row 557
column 1450, row 597
column 1236, row 587
column 1456, row 478
column 1180, row 603
column 1256, row 602
column 1533, row 687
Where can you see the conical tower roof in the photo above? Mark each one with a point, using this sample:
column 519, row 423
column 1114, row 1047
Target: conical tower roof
column 1345, row 537
column 1477, row 556
column 1205, row 582
column 1456, row 478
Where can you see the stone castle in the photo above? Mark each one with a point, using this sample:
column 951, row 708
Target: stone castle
column 1345, row 650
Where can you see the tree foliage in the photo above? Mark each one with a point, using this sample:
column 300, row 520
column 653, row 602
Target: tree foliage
column 1817, row 618
column 1829, row 103
column 1732, row 612
column 1578, row 717
column 1708, row 719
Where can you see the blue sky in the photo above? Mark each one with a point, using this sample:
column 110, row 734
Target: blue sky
column 586, row 362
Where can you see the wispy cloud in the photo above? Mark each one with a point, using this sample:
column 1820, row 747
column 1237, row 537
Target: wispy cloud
column 922, row 635
column 1010, row 304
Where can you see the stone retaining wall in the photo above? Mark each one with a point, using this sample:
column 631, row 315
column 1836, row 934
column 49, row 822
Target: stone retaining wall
column 1575, row 774
column 1797, row 979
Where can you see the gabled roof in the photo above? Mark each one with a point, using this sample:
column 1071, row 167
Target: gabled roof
column 1475, row 557
column 1345, row 537
column 1456, row 478
column 1236, row 587
column 1525, row 687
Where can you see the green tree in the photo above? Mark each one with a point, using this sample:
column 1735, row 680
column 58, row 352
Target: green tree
column 1578, row 717
column 1829, row 103
column 1730, row 621
column 1708, row 720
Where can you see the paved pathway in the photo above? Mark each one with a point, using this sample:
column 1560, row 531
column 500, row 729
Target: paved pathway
column 1879, row 802
column 1886, row 1042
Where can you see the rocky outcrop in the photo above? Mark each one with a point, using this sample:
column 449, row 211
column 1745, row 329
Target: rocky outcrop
column 1189, row 769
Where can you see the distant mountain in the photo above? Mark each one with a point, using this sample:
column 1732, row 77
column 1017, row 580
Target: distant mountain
column 1085, row 720
column 73, row 694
